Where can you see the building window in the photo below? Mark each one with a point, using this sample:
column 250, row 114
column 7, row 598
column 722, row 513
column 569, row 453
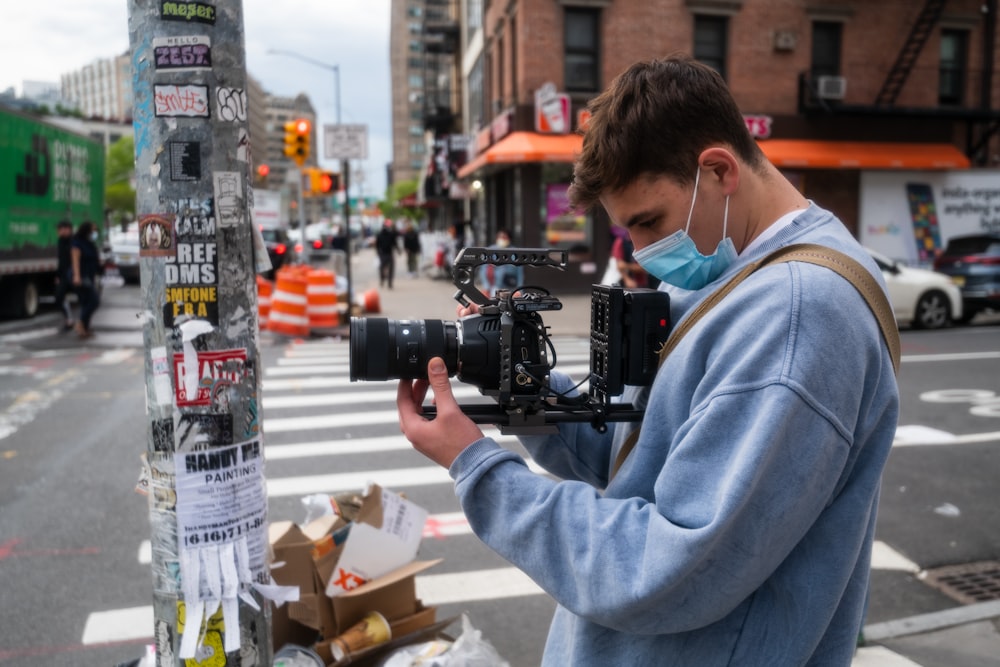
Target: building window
column 475, row 90
column 827, row 39
column 417, row 148
column 416, row 81
column 581, row 44
column 954, row 60
column 710, row 38
column 415, row 12
column 473, row 16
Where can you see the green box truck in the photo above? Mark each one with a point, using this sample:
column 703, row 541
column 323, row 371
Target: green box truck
column 47, row 174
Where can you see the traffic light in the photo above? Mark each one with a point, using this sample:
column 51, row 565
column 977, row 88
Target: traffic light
column 298, row 137
column 329, row 181
column 319, row 182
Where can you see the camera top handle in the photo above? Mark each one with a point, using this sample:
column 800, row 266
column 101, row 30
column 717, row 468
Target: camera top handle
column 469, row 259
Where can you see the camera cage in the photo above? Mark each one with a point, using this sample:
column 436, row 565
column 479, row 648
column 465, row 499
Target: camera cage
column 627, row 326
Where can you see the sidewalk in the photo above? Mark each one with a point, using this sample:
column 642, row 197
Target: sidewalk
column 429, row 297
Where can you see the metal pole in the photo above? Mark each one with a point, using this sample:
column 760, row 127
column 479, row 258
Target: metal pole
column 204, row 456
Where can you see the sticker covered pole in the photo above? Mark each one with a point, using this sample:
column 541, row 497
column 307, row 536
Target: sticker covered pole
column 199, row 252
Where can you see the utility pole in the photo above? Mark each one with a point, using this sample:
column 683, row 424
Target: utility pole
column 199, row 253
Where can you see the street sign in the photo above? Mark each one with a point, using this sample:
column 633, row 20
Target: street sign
column 345, row 142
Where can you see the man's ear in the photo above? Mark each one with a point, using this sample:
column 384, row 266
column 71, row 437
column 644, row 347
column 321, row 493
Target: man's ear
column 723, row 167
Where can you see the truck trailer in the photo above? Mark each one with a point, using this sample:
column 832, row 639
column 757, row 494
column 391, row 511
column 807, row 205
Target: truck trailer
column 47, row 174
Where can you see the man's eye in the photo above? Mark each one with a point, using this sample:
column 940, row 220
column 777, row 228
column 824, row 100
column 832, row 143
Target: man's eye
column 647, row 224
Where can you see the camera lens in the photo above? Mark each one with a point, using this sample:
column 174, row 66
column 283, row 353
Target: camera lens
column 386, row 349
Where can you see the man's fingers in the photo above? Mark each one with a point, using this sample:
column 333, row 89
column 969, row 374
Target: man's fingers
column 437, row 378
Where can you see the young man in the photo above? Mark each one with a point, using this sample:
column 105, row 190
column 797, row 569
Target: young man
column 64, row 271
column 738, row 531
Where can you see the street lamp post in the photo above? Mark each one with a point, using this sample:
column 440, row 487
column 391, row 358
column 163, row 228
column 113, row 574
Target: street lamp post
column 345, row 165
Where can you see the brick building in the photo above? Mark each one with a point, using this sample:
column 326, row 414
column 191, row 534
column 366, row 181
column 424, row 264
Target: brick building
column 832, row 89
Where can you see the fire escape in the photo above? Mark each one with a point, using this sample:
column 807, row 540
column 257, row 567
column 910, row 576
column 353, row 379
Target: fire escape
column 441, row 111
column 922, row 29
column 981, row 123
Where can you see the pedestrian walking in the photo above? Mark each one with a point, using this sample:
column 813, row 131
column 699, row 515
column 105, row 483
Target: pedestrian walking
column 411, row 244
column 386, row 246
column 735, row 526
column 505, row 276
column 86, row 267
column 64, row 271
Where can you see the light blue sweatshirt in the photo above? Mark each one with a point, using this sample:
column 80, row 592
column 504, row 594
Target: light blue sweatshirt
column 739, row 529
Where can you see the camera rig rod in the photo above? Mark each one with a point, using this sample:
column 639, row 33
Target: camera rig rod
column 469, row 259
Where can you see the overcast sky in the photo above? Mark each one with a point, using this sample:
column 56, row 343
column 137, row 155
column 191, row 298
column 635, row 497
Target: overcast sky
column 42, row 39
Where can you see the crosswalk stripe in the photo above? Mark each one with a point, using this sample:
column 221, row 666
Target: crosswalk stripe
column 389, row 478
column 352, row 446
column 286, row 424
column 117, row 625
column 495, row 584
column 376, row 395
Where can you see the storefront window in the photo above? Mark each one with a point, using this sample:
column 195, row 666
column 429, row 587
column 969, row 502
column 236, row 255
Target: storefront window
column 564, row 227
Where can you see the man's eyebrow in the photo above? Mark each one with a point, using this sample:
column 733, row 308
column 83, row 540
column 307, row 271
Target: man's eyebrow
column 636, row 218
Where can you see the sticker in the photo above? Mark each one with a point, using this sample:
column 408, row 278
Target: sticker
column 229, row 203
column 195, row 219
column 183, row 53
column 198, row 431
column 214, row 369
column 243, row 148
column 163, row 435
column 191, row 302
column 231, row 104
column 185, row 160
column 199, row 12
column 156, row 235
column 171, row 100
column 162, row 388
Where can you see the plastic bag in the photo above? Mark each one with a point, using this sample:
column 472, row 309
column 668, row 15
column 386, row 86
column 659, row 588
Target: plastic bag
column 469, row 650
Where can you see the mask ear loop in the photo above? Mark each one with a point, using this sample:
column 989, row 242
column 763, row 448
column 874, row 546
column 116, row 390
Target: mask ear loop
column 725, row 219
column 694, row 195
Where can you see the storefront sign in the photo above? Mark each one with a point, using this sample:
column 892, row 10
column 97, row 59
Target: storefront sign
column 552, row 110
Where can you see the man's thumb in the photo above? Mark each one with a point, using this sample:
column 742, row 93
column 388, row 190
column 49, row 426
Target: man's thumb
column 437, row 377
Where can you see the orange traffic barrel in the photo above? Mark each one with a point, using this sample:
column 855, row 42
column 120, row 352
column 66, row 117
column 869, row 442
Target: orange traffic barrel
column 265, row 288
column 370, row 301
column 288, row 304
column 321, row 299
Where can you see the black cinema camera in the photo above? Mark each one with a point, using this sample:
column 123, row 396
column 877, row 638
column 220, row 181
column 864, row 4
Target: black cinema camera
column 506, row 352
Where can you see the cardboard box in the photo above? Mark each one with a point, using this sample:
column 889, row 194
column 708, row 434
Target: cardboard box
column 309, row 556
column 292, row 547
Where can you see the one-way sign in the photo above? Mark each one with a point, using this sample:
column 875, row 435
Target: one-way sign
column 345, row 142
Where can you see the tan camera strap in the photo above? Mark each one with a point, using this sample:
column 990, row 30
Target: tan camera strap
column 832, row 259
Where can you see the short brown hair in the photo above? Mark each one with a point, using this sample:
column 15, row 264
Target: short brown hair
column 656, row 118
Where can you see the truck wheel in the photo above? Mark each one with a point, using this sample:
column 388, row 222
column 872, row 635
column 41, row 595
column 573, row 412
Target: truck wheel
column 27, row 303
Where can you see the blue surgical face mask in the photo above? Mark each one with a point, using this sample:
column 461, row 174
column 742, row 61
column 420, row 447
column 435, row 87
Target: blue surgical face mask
column 675, row 259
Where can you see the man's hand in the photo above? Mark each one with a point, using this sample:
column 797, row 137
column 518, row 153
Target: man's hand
column 443, row 438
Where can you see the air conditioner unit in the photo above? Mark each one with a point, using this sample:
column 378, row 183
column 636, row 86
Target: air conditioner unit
column 831, row 87
column 784, row 40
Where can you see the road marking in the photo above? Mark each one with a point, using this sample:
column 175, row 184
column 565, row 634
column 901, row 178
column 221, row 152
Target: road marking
column 388, row 478
column 118, row 625
column 885, row 557
column 956, row 356
column 880, row 656
column 351, row 446
column 505, row 582
column 915, row 435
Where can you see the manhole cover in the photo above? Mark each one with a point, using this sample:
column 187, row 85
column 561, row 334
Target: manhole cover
column 969, row 583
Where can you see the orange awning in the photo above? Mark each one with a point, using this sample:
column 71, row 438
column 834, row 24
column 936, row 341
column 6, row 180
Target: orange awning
column 527, row 147
column 810, row 154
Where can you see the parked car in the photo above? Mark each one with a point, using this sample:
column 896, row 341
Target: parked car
column 924, row 299
column 280, row 248
column 973, row 262
column 315, row 249
column 123, row 253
